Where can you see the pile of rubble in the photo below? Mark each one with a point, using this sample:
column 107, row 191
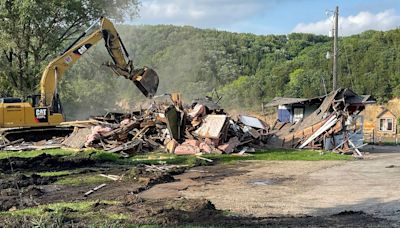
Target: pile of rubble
column 201, row 127
column 330, row 122
column 333, row 123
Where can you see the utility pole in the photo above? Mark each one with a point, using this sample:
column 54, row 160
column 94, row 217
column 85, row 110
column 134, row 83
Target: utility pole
column 323, row 83
column 335, row 48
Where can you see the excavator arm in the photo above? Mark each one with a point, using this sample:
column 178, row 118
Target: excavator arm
column 145, row 78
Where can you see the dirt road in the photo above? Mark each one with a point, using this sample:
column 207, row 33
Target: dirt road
column 295, row 188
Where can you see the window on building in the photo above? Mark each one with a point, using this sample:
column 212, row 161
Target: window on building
column 298, row 114
column 386, row 124
column 389, row 124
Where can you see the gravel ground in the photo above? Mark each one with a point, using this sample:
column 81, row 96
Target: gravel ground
column 295, row 188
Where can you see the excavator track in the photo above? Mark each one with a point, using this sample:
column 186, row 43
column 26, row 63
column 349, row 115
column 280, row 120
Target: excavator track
column 34, row 134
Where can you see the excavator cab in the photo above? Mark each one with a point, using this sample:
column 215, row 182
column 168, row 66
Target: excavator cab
column 34, row 100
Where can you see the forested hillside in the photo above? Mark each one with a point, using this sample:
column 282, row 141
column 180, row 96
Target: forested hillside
column 245, row 69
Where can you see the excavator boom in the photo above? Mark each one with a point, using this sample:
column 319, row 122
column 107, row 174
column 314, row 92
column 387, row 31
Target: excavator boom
column 145, row 78
column 40, row 117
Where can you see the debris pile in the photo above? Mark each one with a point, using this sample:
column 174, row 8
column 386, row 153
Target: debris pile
column 201, row 127
column 330, row 122
column 22, row 145
column 333, row 122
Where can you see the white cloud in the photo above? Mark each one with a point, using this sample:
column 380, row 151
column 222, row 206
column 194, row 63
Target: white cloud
column 363, row 21
column 201, row 13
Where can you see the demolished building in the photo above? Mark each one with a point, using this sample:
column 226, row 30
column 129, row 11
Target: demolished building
column 330, row 122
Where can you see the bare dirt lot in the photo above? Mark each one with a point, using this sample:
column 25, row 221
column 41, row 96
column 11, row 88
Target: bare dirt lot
column 355, row 193
column 295, row 188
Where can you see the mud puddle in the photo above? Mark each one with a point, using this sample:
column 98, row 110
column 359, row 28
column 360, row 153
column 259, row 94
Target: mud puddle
column 265, row 182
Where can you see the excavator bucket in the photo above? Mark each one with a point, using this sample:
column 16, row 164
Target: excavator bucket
column 147, row 81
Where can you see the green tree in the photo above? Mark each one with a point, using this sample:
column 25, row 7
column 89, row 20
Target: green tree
column 33, row 31
column 246, row 69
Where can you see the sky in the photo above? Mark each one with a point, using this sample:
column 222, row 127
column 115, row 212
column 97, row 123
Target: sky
column 273, row 16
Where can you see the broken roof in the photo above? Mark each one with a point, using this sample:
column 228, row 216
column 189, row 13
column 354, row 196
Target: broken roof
column 360, row 99
column 289, row 100
column 283, row 101
column 351, row 98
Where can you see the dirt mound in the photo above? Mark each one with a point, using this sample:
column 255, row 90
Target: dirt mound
column 148, row 178
column 20, row 190
column 346, row 213
column 20, row 180
column 173, row 212
column 43, row 162
column 14, row 198
column 162, row 212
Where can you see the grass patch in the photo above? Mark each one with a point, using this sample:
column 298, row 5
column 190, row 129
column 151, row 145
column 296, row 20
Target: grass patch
column 273, row 154
column 91, row 153
column 166, row 158
column 35, row 153
column 281, row 154
column 82, row 206
column 79, row 180
column 105, row 156
column 55, row 173
column 55, row 215
column 162, row 158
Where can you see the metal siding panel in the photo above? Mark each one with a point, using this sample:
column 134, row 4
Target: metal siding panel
column 284, row 115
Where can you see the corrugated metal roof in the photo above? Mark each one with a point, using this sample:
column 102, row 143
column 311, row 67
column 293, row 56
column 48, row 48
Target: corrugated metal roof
column 284, row 100
column 252, row 122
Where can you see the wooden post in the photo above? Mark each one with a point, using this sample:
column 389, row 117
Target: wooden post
column 373, row 136
column 262, row 108
column 292, row 140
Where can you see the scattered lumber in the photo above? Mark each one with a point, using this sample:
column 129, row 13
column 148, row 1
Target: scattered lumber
column 112, row 177
column 11, row 143
column 94, row 189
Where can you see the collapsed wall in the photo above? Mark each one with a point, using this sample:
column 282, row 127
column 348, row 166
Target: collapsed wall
column 334, row 125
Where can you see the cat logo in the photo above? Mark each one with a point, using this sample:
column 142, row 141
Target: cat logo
column 41, row 115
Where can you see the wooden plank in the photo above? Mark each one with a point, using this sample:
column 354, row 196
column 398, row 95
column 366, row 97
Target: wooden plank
column 11, row 143
column 77, row 139
column 94, row 189
column 331, row 121
column 355, row 148
column 205, row 159
column 112, row 177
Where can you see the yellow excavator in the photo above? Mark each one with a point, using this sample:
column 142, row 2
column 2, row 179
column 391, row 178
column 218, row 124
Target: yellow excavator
column 43, row 113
